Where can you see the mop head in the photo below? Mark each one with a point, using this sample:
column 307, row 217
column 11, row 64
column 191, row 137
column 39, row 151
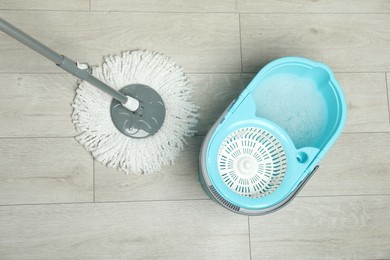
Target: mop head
column 98, row 134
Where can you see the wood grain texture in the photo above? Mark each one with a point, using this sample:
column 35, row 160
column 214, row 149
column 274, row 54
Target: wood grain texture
column 313, row 6
column 213, row 93
column 366, row 101
column 357, row 164
column 346, row 42
column 343, row 210
column 164, row 6
column 40, row 105
column 174, row 182
column 36, row 105
column 354, row 227
column 198, row 42
column 44, row 170
column 70, row 5
column 146, row 230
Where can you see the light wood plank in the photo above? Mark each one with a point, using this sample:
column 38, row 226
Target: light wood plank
column 36, row 105
column 174, row 182
column 25, row 100
column 354, row 227
column 356, row 164
column 366, row 100
column 44, row 171
column 164, row 6
column 347, row 43
column 313, row 6
column 147, row 230
column 213, row 93
column 70, row 5
column 198, row 42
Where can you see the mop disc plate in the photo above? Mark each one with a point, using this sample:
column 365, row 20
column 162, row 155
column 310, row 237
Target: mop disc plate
column 139, row 146
column 146, row 120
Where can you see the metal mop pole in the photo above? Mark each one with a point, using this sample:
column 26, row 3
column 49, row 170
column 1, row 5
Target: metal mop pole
column 64, row 62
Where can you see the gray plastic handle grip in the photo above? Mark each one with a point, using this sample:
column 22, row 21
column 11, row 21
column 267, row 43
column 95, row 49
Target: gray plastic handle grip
column 60, row 60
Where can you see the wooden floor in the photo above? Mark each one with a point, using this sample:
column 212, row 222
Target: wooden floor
column 57, row 203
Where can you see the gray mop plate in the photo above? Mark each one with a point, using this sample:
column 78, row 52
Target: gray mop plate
column 146, row 120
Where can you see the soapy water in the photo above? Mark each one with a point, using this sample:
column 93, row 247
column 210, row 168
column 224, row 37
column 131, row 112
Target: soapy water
column 296, row 105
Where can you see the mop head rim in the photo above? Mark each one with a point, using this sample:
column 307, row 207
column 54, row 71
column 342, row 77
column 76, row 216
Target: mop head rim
column 96, row 131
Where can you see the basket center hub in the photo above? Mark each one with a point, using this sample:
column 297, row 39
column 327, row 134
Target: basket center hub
column 246, row 166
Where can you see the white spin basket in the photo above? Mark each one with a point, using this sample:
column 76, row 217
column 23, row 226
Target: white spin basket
column 252, row 162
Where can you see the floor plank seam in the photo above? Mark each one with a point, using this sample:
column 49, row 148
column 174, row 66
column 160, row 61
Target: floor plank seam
column 93, row 181
column 387, row 94
column 172, row 200
column 162, row 12
column 358, row 72
column 97, row 64
column 187, row 73
column 250, row 242
column 239, row 30
column 342, row 195
column 334, row 71
column 379, row 132
column 100, row 202
column 121, row 11
column 193, row 12
column 196, row 135
column 45, row 10
column 33, row 73
column 35, row 137
column 345, row 132
column 315, row 13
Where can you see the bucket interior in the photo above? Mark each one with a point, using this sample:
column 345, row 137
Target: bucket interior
column 301, row 100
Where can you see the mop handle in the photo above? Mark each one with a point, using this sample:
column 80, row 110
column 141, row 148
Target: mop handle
column 60, row 60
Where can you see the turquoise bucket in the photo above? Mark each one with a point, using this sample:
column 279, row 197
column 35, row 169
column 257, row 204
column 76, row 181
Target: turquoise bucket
column 269, row 141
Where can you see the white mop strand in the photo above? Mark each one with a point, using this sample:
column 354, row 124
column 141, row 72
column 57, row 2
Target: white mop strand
column 96, row 131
